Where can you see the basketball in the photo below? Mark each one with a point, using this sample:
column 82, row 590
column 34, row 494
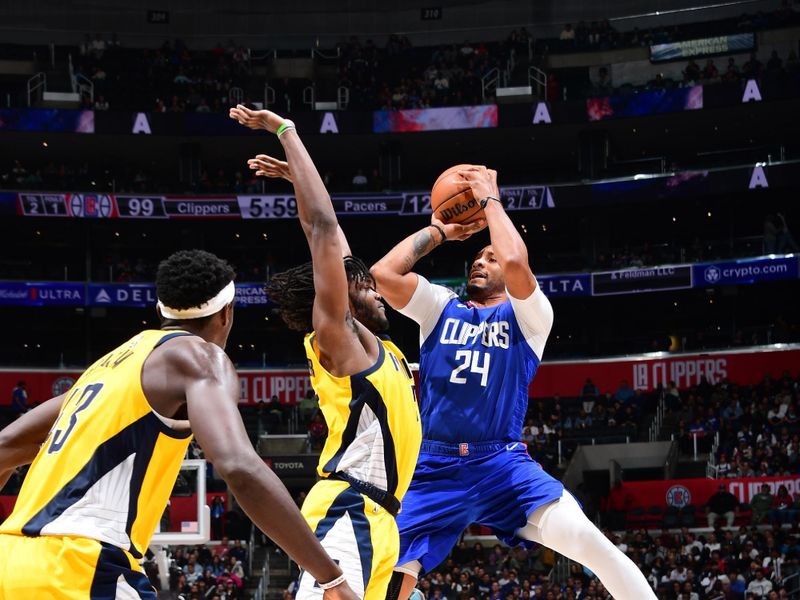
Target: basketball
column 452, row 200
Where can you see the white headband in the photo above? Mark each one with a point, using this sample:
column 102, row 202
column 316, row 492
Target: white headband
column 215, row 304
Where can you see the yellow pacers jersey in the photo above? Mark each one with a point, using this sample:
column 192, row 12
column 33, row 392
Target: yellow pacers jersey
column 109, row 463
column 374, row 431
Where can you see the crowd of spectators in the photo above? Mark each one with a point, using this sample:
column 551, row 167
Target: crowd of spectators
column 758, row 426
column 724, row 565
column 99, row 177
column 170, row 78
column 602, row 35
column 400, row 76
column 609, row 416
column 390, row 75
column 207, row 572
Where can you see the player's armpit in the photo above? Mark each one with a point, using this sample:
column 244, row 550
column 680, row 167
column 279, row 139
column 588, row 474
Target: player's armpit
column 426, row 305
column 20, row 441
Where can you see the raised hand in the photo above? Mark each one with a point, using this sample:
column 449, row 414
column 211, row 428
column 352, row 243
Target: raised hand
column 483, row 182
column 256, row 119
column 268, row 166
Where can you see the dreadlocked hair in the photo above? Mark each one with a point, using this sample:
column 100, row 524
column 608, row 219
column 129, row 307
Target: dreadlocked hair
column 357, row 271
column 293, row 291
column 191, row 277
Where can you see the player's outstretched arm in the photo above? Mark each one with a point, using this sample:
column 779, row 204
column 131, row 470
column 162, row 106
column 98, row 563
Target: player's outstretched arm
column 20, row 441
column 508, row 246
column 393, row 276
column 331, row 316
column 212, row 393
column 268, row 166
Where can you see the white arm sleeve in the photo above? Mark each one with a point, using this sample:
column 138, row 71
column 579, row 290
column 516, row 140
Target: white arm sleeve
column 535, row 318
column 426, row 305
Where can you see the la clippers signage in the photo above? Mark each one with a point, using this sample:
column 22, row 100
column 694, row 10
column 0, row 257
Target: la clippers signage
column 682, row 492
column 648, row 372
column 563, row 378
column 289, row 386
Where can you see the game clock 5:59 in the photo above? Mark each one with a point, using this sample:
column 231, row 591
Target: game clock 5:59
column 268, row 207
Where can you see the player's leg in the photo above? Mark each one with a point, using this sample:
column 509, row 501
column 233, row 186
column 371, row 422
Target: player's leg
column 433, row 517
column 404, row 580
column 68, row 567
column 335, row 512
column 562, row 526
column 385, row 541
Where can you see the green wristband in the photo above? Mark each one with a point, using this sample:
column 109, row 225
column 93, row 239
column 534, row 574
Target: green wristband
column 285, row 126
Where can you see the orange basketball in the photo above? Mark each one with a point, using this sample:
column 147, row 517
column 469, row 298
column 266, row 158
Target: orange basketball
column 452, row 200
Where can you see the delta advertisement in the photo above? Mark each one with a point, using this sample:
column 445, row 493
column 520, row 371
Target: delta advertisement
column 143, row 295
column 747, row 271
column 564, row 378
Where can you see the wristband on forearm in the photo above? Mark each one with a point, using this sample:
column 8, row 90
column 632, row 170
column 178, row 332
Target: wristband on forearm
column 441, row 232
column 484, row 201
column 332, row 584
column 284, row 127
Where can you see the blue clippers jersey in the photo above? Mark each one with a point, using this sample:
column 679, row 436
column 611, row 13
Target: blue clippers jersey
column 475, row 365
column 475, row 368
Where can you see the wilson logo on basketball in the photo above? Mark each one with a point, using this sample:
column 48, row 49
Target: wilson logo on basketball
column 451, row 213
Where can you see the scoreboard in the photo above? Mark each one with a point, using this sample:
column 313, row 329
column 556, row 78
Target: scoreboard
column 264, row 206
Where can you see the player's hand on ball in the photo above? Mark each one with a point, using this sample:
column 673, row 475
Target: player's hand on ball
column 268, row 166
column 256, row 119
column 483, row 182
column 458, row 231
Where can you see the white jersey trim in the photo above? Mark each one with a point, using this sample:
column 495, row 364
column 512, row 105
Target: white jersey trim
column 426, row 306
column 535, row 318
column 102, row 512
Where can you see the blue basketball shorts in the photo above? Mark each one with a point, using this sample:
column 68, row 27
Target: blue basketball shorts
column 455, row 485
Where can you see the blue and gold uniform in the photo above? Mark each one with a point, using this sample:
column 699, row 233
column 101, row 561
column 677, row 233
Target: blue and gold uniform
column 96, row 490
column 374, row 434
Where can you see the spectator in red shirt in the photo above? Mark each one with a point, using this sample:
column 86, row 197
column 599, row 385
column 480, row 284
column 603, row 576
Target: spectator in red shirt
column 317, row 431
column 782, row 511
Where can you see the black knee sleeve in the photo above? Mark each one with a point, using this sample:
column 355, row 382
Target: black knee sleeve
column 395, row 584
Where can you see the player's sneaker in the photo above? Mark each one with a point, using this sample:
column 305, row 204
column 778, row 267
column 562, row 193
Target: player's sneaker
column 416, row 594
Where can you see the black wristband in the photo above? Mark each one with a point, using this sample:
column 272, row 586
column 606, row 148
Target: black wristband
column 484, row 201
column 441, row 232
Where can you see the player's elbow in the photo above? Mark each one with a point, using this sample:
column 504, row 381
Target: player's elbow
column 380, row 273
column 516, row 260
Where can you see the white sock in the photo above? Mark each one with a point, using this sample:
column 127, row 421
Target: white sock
column 562, row 526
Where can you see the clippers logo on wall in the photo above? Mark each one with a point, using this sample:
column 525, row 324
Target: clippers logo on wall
column 682, row 492
column 679, row 496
